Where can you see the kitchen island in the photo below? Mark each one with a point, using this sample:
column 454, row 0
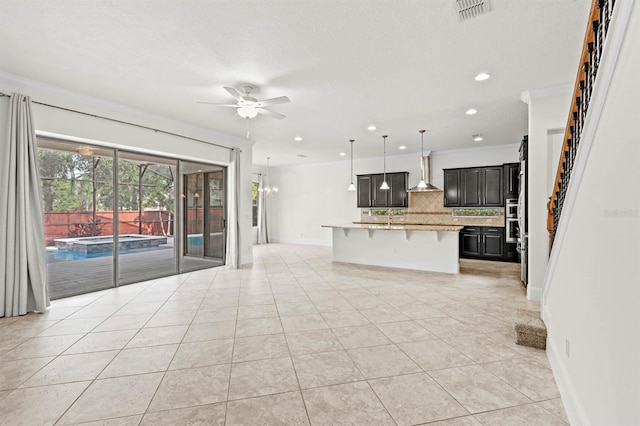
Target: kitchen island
column 421, row 247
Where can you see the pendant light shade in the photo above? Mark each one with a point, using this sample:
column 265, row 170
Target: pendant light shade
column 352, row 187
column 384, row 159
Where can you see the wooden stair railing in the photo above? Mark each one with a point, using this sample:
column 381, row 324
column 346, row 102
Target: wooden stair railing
column 599, row 18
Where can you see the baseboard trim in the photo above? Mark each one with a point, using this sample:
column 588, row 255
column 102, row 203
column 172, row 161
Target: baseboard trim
column 575, row 411
column 534, row 293
column 325, row 243
column 247, row 258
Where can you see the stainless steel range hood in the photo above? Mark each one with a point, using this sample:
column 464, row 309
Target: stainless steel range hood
column 425, row 168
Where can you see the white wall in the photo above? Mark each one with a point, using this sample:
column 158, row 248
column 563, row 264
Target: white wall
column 314, row 195
column 548, row 112
column 592, row 292
column 75, row 125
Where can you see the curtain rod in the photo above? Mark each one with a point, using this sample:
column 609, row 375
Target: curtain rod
column 4, row 95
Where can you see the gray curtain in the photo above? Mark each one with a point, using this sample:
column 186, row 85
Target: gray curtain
column 22, row 252
column 233, row 228
column 263, row 233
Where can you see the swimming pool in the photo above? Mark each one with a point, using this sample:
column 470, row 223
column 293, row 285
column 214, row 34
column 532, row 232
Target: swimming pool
column 55, row 256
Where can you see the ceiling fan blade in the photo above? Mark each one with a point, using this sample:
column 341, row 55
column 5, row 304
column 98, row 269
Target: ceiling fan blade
column 273, row 101
column 271, row 113
column 217, row 104
column 234, row 92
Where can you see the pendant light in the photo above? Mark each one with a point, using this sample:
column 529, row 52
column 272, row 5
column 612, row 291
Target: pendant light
column 352, row 187
column 384, row 159
column 425, row 170
column 422, row 184
column 269, row 191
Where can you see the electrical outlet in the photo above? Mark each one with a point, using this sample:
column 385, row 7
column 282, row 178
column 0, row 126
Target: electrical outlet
column 567, row 347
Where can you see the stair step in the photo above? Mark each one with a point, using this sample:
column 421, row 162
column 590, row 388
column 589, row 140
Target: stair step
column 530, row 329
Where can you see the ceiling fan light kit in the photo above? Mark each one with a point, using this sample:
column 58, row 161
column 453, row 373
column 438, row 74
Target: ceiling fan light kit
column 247, row 112
column 248, row 107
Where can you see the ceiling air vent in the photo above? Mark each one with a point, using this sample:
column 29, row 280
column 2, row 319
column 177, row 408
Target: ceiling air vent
column 468, row 9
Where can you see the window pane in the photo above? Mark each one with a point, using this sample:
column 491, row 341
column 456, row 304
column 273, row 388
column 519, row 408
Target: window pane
column 77, row 201
column 254, row 200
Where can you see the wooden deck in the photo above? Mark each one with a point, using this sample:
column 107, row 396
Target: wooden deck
column 82, row 276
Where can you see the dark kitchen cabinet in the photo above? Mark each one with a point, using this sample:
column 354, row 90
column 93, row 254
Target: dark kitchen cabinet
column 370, row 194
column 492, row 243
column 482, row 242
column 511, row 252
column 379, row 195
column 452, row 188
column 492, row 186
column 364, row 191
column 470, row 242
column 471, row 180
column 511, row 176
column 397, row 193
column 474, row 187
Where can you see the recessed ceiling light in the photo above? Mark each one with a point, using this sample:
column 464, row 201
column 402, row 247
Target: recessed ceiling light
column 342, row 154
column 477, row 138
column 471, row 111
column 402, row 147
column 371, row 128
column 302, row 156
column 297, row 139
column 482, row 76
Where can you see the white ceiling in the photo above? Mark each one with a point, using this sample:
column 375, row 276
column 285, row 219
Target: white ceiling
column 402, row 65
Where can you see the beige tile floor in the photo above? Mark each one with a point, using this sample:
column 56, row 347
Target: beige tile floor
column 292, row 339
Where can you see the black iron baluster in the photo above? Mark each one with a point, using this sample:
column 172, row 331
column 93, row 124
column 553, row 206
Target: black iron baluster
column 590, row 66
column 589, row 71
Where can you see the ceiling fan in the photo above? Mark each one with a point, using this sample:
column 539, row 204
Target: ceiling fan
column 248, row 107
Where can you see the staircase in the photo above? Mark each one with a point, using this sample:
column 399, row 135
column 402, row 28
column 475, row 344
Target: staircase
column 529, row 329
column 592, row 51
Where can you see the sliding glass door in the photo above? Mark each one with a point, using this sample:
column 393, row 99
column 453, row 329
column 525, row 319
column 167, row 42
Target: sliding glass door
column 77, row 200
column 146, row 212
column 203, row 198
column 111, row 216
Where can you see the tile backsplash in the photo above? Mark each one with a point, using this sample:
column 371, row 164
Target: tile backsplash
column 428, row 208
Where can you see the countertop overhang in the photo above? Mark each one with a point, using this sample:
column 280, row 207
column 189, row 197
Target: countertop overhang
column 397, row 227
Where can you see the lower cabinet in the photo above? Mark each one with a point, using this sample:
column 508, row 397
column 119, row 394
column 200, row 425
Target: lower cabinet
column 470, row 242
column 482, row 242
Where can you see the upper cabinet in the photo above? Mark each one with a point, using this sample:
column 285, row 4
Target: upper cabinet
column 471, row 180
column 511, row 174
column 492, row 194
column 452, row 188
column 370, row 194
column 397, row 196
column 473, row 187
column 364, row 191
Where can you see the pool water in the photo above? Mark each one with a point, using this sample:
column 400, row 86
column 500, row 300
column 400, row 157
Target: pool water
column 55, row 256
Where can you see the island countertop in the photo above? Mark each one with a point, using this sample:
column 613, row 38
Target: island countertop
column 421, row 247
column 397, row 227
